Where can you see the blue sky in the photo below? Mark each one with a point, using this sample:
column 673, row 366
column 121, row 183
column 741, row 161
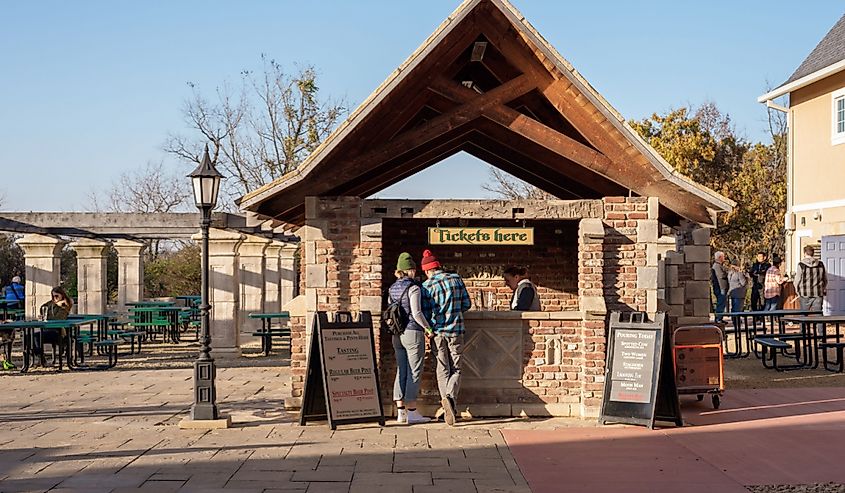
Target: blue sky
column 91, row 89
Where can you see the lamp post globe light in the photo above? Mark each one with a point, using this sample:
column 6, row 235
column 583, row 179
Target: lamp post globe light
column 206, row 184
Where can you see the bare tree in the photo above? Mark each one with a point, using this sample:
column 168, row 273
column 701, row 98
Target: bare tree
column 148, row 190
column 507, row 187
column 261, row 130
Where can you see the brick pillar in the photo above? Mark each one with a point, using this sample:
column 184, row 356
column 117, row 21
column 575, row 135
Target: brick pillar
column 130, row 271
column 337, row 269
column 591, row 267
column 287, row 272
column 42, row 256
column 224, row 284
column 251, row 261
column 91, row 275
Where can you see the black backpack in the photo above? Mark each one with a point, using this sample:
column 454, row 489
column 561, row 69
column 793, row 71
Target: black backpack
column 394, row 319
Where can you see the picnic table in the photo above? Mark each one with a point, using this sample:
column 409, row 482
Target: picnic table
column 68, row 333
column 151, row 303
column 153, row 318
column 267, row 332
column 815, row 337
column 190, row 300
column 12, row 310
column 745, row 327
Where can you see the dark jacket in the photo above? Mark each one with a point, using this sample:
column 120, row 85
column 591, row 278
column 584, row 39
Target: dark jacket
column 758, row 273
column 525, row 297
column 52, row 311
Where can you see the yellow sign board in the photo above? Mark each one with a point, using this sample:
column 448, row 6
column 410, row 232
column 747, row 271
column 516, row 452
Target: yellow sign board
column 481, row 236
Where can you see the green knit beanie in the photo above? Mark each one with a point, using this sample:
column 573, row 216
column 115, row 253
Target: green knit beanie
column 405, row 262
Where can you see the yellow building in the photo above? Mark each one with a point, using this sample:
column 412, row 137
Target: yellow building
column 816, row 164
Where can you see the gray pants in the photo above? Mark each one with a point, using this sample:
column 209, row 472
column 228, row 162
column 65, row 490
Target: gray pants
column 448, row 350
column 410, row 355
column 814, row 303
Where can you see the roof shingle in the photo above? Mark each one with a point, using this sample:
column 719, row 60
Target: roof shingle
column 831, row 49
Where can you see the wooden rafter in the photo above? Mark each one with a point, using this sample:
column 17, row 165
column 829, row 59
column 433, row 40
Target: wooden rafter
column 407, row 142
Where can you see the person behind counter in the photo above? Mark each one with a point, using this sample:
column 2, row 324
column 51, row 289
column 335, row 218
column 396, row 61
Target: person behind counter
column 525, row 297
column 58, row 308
column 409, row 346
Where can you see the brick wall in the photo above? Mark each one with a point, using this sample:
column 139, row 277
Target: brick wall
column 595, row 265
column 551, row 261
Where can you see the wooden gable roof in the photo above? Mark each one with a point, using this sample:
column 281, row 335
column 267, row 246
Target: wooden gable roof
column 488, row 84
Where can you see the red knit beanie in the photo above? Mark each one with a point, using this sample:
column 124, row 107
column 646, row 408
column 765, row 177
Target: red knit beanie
column 429, row 261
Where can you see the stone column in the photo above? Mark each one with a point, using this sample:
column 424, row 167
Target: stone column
column 272, row 277
column 130, row 271
column 251, row 262
column 648, row 230
column 224, row 284
column 287, row 272
column 42, row 256
column 91, row 275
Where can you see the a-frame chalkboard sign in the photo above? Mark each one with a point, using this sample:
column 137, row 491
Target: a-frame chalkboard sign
column 341, row 382
column 639, row 385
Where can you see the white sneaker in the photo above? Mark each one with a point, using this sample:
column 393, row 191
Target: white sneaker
column 402, row 416
column 415, row 417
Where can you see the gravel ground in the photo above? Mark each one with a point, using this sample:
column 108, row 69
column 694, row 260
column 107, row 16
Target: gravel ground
column 800, row 488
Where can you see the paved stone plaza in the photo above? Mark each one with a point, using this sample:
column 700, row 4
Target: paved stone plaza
column 118, row 431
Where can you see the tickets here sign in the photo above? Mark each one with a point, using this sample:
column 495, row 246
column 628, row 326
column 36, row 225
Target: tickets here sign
column 480, row 236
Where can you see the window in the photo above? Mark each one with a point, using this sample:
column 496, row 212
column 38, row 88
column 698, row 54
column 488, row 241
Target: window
column 837, row 135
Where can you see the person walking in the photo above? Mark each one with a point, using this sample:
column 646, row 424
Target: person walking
column 719, row 280
column 772, row 285
column 811, row 281
column 758, row 278
column 409, row 346
column 447, row 299
column 737, row 287
column 525, row 296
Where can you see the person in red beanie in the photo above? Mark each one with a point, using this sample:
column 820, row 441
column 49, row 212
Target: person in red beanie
column 447, row 299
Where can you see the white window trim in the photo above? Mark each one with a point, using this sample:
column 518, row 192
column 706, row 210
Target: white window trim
column 835, row 137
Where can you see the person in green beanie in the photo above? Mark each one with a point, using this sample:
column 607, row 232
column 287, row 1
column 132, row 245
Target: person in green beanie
column 410, row 345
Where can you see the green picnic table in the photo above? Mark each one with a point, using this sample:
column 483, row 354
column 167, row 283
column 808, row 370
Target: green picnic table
column 267, row 332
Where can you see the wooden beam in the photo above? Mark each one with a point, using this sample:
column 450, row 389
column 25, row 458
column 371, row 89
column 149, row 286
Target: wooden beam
column 532, row 129
column 550, row 138
column 542, row 162
column 395, row 171
column 548, row 161
column 406, row 100
column 407, row 142
column 564, row 97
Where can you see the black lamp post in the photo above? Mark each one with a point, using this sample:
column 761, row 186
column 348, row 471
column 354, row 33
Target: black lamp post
column 206, row 183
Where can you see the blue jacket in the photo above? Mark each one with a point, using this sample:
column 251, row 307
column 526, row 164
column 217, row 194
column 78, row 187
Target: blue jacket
column 14, row 293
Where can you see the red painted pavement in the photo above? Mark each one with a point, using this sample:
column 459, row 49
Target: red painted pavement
column 768, row 436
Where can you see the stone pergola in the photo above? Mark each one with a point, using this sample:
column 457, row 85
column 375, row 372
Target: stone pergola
column 252, row 261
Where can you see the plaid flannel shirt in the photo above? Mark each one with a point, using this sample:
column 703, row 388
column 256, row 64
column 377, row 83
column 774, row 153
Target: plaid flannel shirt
column 771, row 287
column 445, row 298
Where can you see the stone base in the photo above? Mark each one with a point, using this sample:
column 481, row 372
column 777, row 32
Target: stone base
column 206, row 424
